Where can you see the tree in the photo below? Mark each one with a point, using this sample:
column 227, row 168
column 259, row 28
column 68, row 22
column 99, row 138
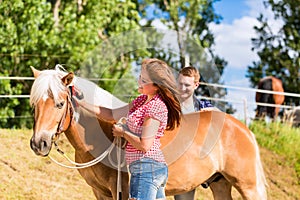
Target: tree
column 279, row 51
column 45, row 33
column 190, row 20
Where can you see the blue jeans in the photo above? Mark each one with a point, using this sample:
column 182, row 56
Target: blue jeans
column 148, row 179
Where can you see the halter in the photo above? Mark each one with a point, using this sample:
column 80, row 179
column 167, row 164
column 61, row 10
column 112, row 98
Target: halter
column 63, row 119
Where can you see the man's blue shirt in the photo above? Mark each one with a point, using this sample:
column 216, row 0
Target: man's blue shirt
column 199, row 104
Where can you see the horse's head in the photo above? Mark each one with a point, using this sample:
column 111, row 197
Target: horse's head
column 50, row 99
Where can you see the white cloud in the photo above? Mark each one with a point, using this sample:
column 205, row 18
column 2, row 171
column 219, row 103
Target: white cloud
column 257, row 7
column 233, row 41
column 158, row 24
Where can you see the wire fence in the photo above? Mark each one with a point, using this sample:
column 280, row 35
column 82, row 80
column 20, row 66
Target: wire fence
column 242, row 101
column 250, row 90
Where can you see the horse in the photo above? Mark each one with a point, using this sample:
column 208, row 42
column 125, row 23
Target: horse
column 292, row 116
column 273, row 84
column 209, row 148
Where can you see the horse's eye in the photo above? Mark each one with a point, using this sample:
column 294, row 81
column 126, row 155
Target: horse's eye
column 60, row 105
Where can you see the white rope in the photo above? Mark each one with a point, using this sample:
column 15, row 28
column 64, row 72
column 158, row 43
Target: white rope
column 250, row 89
column 117, row 143
column 32, row 78
column 201, row 83
column 119, row 177
column 117, row 140
column 255, row 103
column 15, row 96
column 83, row 165
column 15, row 78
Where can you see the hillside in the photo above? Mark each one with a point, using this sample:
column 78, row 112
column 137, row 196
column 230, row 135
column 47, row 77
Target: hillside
column 23, row 175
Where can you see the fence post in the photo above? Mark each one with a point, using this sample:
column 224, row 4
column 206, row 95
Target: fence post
column 245, row 111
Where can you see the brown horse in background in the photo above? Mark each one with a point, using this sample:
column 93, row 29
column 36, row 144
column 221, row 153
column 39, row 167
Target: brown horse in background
column 272, row 84
column 206, row 143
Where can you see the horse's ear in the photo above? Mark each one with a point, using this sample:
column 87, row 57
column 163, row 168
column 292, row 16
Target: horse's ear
column 68, row 78
column 35, row 72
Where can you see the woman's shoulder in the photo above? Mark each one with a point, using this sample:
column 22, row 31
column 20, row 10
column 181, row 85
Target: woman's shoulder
column 158, row 103
column 158, row 98
column 139, row 99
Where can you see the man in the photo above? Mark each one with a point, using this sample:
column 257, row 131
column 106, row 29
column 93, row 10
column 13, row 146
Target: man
column 188, row 81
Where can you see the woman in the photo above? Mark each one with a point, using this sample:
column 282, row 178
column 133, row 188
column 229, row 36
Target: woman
column 157, row 109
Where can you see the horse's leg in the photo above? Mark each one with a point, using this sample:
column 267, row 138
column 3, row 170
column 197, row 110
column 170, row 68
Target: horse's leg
column 249, row 191
column 221, row 189
column 243, row 167
column 252, row 187
column 276, row 113
column 124, row 193
column 250, row 181
column 125, row 186
column 99, row 195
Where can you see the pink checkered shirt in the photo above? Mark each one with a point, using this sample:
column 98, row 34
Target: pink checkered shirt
column 155, row 109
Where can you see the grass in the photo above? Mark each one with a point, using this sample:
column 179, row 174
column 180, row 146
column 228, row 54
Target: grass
column 281, row 139
column 23, row 175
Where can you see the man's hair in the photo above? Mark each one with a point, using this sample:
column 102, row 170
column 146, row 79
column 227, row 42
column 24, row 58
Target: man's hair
column 190, row 71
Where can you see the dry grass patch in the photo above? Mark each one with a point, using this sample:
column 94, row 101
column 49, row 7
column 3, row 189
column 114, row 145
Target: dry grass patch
column 23, row 175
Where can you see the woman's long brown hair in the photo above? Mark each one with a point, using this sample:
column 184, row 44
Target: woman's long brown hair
column 161, row 75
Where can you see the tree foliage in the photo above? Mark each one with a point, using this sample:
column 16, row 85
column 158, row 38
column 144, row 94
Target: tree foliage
column 279, row 51
column 190, row 19
column 44, row 33
column 78, row 35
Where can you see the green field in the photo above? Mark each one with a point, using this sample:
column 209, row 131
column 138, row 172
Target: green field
column 281, row 139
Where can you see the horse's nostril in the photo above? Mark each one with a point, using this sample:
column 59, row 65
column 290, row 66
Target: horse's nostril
column 43, row 145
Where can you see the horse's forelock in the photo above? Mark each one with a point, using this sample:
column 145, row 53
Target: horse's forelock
column 49, row 81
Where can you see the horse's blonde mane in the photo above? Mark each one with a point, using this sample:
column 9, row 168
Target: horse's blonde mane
column 50, row 80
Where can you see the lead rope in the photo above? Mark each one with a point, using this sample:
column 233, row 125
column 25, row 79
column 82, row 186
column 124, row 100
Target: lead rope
column 81, row 165
column 119, row 179
column 117, row 142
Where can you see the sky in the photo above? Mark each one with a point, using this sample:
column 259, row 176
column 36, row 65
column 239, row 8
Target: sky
column 233, row 43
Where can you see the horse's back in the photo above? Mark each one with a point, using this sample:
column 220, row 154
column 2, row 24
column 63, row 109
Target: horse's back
column 263, row 84
column 195, row 128
column 208, row 142
column 277, row 87
column 269, row 83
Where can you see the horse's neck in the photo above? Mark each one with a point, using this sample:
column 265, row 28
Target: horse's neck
column 106, row 126
column 85, row 138
column 75, row 135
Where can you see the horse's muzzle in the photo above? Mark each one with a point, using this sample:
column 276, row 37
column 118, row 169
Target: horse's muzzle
column 41, row 146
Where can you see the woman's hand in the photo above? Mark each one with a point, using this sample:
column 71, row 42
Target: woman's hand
column 93, row 109
column 80, row 101
column 118, row 130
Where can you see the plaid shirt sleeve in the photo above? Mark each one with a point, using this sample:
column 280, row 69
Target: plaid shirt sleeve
column 200, row 104
column 205, row 104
